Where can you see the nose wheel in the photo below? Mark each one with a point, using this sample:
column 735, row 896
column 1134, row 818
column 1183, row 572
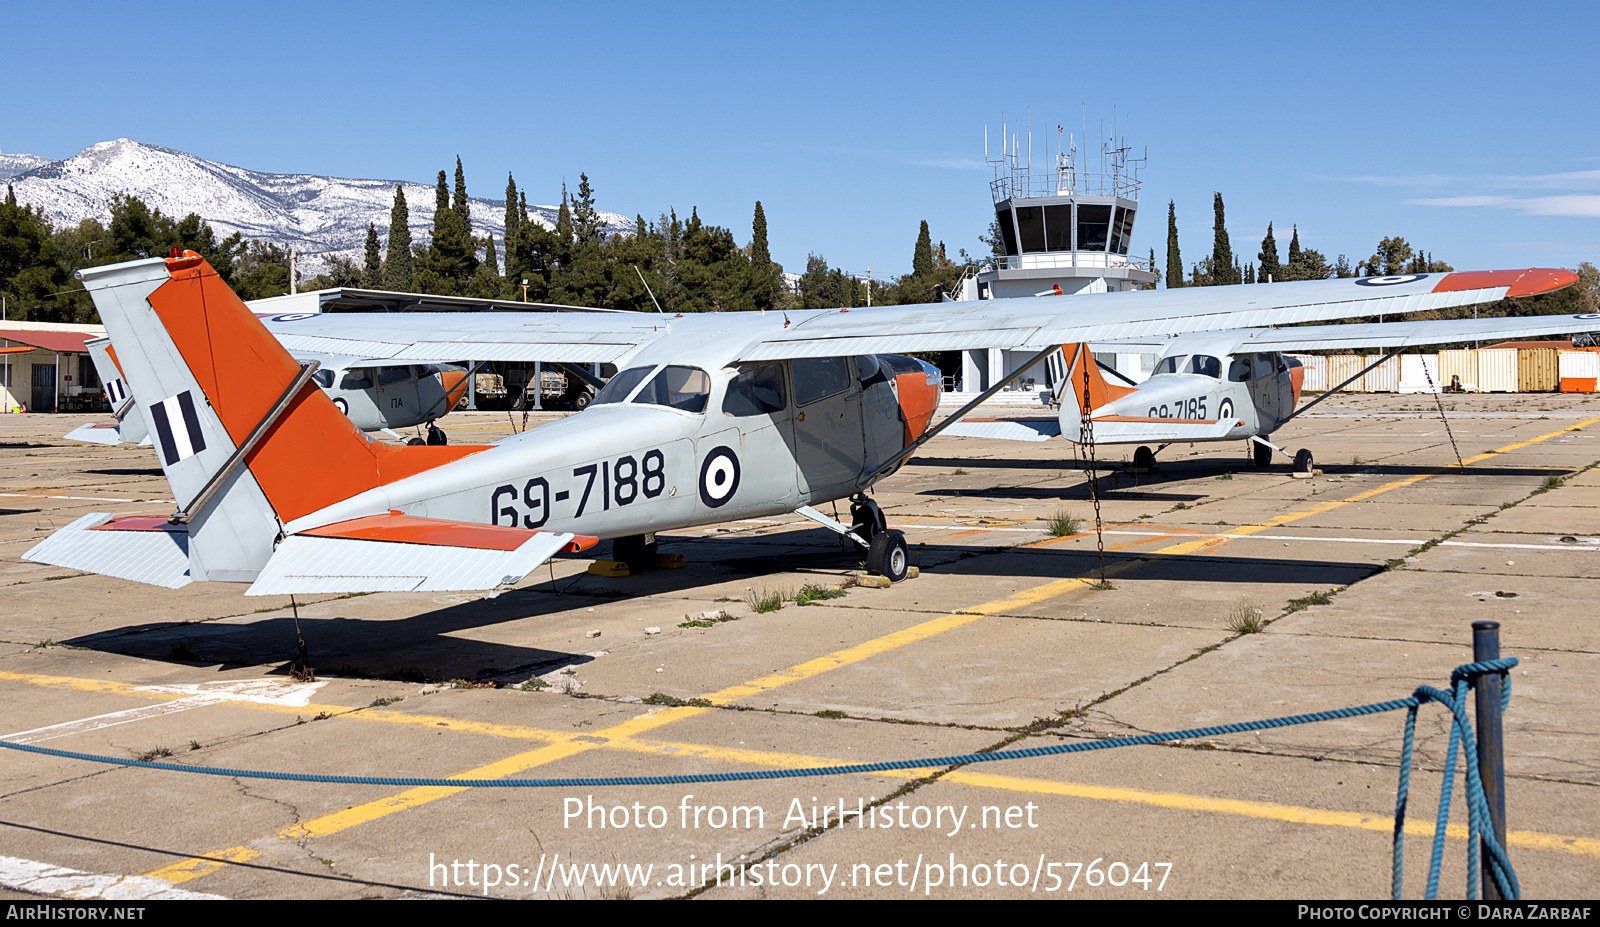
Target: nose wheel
column 886, row 548
column 1144, row 458
column 1261, row 455
column 436, row 435
column 1303, row 463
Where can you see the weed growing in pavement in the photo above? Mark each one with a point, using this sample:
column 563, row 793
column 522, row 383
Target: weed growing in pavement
column 811, row 592
column 767, row 600
column 1062, row 524
column 1246, row 618
column 1315, row 598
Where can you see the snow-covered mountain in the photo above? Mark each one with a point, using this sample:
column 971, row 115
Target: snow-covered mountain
column 317, row 216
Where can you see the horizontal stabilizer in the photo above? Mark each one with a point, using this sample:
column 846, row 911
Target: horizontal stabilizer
column 1109, row 430
column 403, row 553
column 96, row 434
column 1040, row 429
column 145, row 550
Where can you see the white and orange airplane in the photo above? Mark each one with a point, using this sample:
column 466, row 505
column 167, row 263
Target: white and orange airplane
column 711, row 417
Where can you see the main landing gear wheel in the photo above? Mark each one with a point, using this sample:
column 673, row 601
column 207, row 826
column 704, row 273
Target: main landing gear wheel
column 1144, row 458
column 1303, row 463
column 635, row 552
column 1263, row 455
column 887, row 555
column 436, row 435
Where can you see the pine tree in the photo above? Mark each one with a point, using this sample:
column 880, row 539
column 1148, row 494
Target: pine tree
column 922, row 254
column 452, row 254
column 1154, row 283
column 459, row 203
column 11, row 196
column 398, row 266
column 586, row 225
column 1174, row 261
column 373, row 277
column 1270, row 271
column 1223, row 268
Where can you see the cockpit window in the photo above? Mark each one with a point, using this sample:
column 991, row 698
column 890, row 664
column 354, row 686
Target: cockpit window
column 818, row 377
column 1239, row 369
column 324, row 378
column 621, row 385
column 388, row 376
column 685, row 388
column 356, row 379
column 755, row 392
column 1178, row 363
column 1205, row 365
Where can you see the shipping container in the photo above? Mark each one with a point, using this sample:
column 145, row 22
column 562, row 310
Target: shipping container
column 1419, row 373
column 1579, row 371
column 1315, row 378
column 1342, row 367
column 1384, row 378
column 1497, row 370
column 1458, row 370
column 1537, row 370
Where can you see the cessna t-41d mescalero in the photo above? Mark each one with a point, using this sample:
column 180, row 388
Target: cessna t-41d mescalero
column 1231, row 385
column 374, row 395
column 711, row 417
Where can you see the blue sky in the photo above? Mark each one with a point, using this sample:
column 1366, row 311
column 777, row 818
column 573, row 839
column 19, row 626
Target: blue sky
column 1467, row 128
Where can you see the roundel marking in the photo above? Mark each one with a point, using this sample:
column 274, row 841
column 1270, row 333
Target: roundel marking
column 1395, row 280
column 719, row 477
column 1225, row 409
column 1587, row 316
column 344, row 407
column 294, row 317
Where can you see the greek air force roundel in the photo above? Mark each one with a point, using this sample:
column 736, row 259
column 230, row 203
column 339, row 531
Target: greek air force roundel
column 1390, row 281
column 719, row 477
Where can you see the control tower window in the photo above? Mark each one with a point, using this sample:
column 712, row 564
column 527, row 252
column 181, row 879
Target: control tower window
column 1058, row 227
column 1030, row 228
column 1094, row 224
column 1008, row 232
column 1121, row 230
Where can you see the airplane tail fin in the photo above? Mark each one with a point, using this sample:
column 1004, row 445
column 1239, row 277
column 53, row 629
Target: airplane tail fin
column 246, row 441
column 1083, row 390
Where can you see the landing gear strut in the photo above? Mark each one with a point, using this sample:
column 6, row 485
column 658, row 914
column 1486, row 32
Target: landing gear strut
column 636, row 551
column 866, row 519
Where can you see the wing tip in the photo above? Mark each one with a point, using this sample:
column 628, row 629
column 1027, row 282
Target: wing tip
column 1528, row 282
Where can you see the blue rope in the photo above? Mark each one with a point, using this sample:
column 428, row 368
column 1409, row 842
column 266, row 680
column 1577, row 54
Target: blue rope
column 1480, row 830
column 1462, row 679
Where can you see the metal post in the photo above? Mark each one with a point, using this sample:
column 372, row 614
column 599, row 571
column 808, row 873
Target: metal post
column 538, row 385
column 1491, row 754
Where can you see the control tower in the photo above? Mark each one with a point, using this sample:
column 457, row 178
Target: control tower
column 1064, row 230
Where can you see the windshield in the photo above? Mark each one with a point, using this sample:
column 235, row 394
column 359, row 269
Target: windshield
column 621, row 385
column 685, row 388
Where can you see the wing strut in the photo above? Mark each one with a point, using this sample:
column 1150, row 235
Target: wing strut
column 911, row 448
column 1362, row 373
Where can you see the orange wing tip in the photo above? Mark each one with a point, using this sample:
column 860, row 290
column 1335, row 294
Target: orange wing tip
column 580, row 542
column 410, row 529
column 188, row 260
column 1518, row 282
column 136, row 523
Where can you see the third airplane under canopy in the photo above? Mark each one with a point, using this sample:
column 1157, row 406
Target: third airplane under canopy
column 711, row 417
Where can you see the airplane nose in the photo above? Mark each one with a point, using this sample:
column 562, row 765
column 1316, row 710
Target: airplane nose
column 919, row 400
column 455, row 386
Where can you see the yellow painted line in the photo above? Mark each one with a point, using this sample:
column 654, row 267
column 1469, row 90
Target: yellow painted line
column 1193, row 546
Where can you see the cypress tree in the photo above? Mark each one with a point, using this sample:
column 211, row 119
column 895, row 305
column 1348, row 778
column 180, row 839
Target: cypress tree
column 764, row 278
column 1174, row 261
column 489, row 259
column 1223, row 268
column 441, row 199
column 513, row 218
column 373, row 278
column 1270, row 271
column 1153, row 269
column 522, row 207
column 1294, row 248
column 922, row 254
column 564, row 218
column 459, row 204
column 398, row 266
column 11, row 196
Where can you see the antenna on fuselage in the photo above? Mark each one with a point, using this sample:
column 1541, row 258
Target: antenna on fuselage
column 647, row 288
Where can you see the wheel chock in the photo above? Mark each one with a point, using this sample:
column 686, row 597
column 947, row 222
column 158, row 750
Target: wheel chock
column 670, row 562
column 874, row 581
column 1304, row 476
column 611, row 568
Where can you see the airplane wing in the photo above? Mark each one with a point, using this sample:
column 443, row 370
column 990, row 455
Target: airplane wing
column 1021, row 324
column 1404, row 334
column 1038, row 322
